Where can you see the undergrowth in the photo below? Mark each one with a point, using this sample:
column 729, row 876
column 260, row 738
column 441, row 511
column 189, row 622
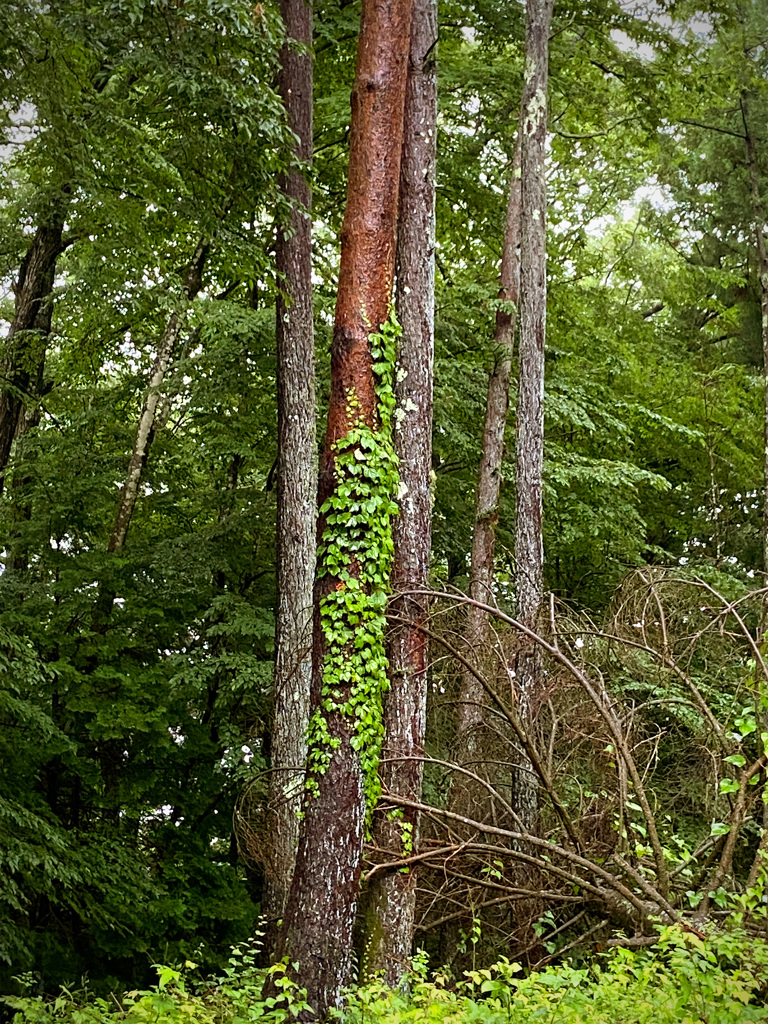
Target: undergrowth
column 681, row 980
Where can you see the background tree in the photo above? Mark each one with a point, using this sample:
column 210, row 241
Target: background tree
column 469, row 714
column 148, row 738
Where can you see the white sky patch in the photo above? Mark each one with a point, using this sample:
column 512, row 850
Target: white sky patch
column 23, row 128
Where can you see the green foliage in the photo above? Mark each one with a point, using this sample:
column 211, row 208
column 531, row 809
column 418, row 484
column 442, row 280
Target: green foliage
column 356, row 552
column 179, row 997
column 149, row 127
column 681, row 979
column 127, row 744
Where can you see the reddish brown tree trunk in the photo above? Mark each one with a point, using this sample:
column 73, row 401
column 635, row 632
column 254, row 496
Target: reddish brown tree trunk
column 317, row 930
column 529, row 544
column 21, row 368
column 391, row 903
column 296, row 474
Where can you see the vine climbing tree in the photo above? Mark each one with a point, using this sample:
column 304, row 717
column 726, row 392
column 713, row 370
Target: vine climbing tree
column 391, row 905
column 357, row 486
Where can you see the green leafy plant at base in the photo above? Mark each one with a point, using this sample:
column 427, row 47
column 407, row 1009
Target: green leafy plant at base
column 234, row 998
column 720, row 980
column 356, row 551
column 683, row 979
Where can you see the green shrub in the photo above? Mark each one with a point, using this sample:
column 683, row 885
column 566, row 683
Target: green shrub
column 235, row 998
column 681, row 980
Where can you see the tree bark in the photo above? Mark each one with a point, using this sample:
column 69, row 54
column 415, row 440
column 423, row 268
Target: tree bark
column 391, row 903
column 22, row 366
column 467, row 795
column 469, row 717
column 317, row 929
column 296, row 475
column 191, row 286
column 529, row 545
column 758, row 214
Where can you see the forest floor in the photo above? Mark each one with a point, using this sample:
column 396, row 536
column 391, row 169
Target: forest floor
column 722, row 979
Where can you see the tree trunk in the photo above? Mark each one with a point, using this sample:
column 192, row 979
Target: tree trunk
column 317, row 929
column 391, row 903
column 469, row 716
column 296, row 477
column 21, row 369
column 762, row 258
column 468, row 796
column 529, row 545
column 190, row 287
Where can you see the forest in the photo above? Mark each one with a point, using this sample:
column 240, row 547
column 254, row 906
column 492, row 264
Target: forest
column 383, row 511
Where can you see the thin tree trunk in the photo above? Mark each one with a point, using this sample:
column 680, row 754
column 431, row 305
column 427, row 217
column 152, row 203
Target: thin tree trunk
column 469, row 716
column 391, row 904
column 529, row 545
column 190, row 287
column 317, row 929
column 758, row 214
column 21, row 369
column 466, row 795
column 296, row 476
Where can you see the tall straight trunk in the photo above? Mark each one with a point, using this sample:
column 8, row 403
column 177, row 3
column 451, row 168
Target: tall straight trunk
column 317, row 929
column 469, row 716
column 529, row 544
column 22, row 365
column 296, row 474
column 758, row 214
column 468, row 796
column 391, row 904
column 144, row 431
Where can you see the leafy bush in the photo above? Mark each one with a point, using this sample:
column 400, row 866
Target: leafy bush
column 683, row 979
column 238, row 997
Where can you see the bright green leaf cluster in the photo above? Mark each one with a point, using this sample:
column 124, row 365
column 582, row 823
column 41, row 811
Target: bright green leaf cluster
column 356, row 551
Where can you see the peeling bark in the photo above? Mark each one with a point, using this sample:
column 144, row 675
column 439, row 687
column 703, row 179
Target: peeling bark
column 529, row 546
column 317, row 930
column 296, row 476
column 23, row 363
column 391, row 903
column 191, row 286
